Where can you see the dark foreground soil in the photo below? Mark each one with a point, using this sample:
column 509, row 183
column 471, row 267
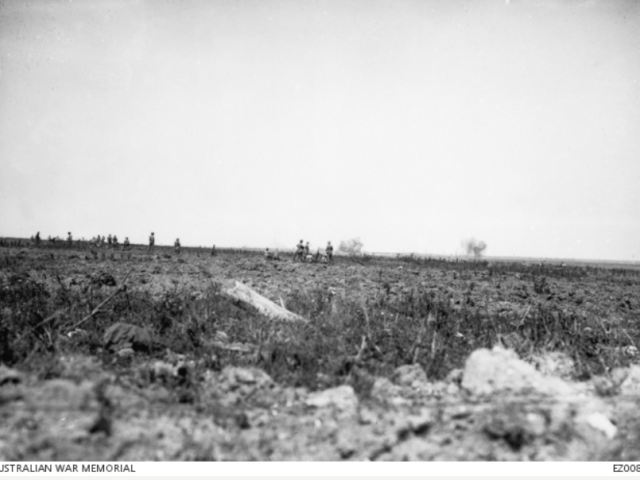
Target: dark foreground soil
column 398, row 359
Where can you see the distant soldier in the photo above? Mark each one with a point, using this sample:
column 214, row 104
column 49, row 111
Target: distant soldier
column 109, row 241
column 329, row 252
column 152, row 242
column 267, row 254
column 126, row 245
column 306, row 250
column 176, row 246
column 69, row 239
column 299, row 251
column 213, row 251
column 38, row 239
column 114, row 241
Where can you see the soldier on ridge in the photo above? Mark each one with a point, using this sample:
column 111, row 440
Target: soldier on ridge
column 299, row 251
column 152, row 242
column 329, row 252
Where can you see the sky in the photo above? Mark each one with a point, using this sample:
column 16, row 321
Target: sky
column 411, row 124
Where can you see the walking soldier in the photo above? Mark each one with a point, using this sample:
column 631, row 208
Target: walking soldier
column 329, row 252
column 299, row 251
column 152, row 242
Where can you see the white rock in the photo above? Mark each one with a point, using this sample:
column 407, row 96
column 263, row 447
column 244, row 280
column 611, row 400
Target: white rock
column 600, row 422
column 631, row 384
column 246, row 376
column 383, row 389
column 555, row 364
column 488, row 371
column 409, row 375
column 125, row 352
column 342, row 398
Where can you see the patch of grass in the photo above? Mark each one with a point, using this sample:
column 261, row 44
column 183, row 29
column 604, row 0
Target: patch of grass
column 346, row 340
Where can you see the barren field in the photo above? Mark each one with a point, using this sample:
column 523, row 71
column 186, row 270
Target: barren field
column 112, row 355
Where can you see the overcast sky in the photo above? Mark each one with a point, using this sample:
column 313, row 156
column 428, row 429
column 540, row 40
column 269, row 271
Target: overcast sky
column 410, row 124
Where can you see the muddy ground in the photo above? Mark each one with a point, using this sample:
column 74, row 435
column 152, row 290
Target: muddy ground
column 400, row 359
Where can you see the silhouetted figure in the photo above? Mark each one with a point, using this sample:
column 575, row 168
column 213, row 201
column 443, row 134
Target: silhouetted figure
column 299, row 251
column 152, row 242
column 213, row 251
column 329, row 252
column 176, row 246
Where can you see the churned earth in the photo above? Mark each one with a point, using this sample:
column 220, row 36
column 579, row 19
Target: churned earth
column 187, row 374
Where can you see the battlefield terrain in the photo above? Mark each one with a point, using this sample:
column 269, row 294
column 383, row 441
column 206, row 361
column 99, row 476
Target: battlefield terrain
column 123, row 355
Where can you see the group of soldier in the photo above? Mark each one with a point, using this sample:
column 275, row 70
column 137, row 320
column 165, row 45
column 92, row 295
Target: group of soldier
column 99, row 241
column 37, row 241
column 110, row 242
column 176, row 245
column 303, row 253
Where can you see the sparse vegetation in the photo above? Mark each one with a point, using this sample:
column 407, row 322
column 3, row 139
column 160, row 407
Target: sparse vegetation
column 365, row 320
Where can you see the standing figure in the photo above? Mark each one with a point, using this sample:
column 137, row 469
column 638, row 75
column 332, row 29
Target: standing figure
column 38, row 239
column 306, row 250
column 176, row 246
column 299, row 251
column 109, row 241
column 126, row 244
column 152, row 242
column 114, row 241
column 329, row 252
column 213, row 251
column 69, row 239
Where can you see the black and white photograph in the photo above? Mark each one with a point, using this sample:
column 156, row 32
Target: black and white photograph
column 319, row 231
